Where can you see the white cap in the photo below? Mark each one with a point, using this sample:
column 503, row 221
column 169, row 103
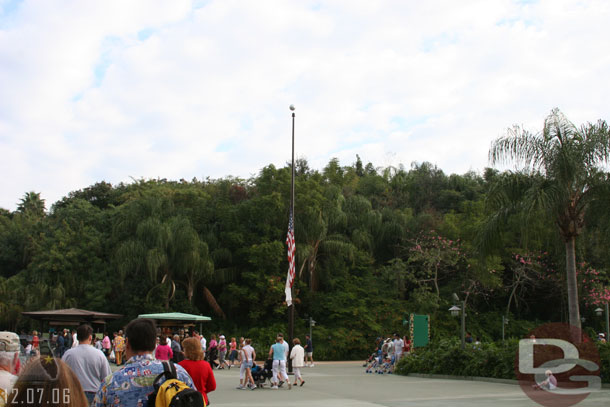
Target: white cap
column 9, row 342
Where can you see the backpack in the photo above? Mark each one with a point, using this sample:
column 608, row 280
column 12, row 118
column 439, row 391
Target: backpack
column 173, row 392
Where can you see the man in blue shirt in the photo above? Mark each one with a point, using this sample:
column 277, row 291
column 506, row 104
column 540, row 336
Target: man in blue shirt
column 308, row 351
column 130, row 386
column 278, row 353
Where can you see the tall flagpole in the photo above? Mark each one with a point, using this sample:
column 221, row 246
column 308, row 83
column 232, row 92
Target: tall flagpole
column 291, row 308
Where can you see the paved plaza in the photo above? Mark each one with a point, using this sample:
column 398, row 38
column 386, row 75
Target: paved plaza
column 344, row 384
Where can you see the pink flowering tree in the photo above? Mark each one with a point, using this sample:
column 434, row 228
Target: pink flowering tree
column 435, row 257
column 595, row 290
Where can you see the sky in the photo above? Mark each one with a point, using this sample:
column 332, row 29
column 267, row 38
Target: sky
column 119, row 90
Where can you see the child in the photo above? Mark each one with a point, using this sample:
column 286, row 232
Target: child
column 549, row 384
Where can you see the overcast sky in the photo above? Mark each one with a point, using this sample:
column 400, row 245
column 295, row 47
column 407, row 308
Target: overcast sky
column 115, row 90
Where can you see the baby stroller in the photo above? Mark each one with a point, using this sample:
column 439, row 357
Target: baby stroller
column 261, row 374
column 386, row 366
column 370, row 359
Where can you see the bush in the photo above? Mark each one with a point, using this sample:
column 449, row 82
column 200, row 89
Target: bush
column 448, row 358
column 495, row 360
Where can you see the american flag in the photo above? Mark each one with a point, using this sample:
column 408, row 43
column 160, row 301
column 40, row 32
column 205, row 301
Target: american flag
column 291, row 259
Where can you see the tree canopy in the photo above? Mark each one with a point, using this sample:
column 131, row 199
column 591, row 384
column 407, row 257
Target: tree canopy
column 373, row 245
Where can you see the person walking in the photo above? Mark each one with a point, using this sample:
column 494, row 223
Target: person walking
column 308, row 351
column 398, row 348
column 204, row 344
column 89, row 364
column 222, row 352
column 74, row 339
column 212, row 352
column 232, row 351
column 106, row 345
column 297, row 355
column 285, row 345
column 178, row 353
column 163, row 350
column 247, row 355
column 199, row 370
column 61, row 345
column 67, row 340
column 277, row 352
column 119, row 348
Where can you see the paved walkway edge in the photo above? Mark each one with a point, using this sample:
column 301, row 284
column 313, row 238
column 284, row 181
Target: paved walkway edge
column 476, row 379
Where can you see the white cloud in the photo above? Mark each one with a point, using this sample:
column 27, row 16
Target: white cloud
column 112, row 90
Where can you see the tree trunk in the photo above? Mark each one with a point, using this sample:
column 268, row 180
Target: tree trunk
column 313, row 280
column 510, row 299
column 573, row 309
column 190, row 291
column 438, row 291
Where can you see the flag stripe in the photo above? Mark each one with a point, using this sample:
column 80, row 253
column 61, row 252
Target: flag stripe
column 291, row 259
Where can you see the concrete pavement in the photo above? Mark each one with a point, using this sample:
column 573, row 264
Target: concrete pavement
column 343, row 384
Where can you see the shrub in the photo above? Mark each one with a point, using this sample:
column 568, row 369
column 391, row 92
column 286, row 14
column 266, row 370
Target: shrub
column 447, row 357
column 495, row 360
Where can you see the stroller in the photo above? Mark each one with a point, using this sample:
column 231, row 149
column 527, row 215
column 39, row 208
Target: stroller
column 370, row 359
column 374, row 363
column 261, row 374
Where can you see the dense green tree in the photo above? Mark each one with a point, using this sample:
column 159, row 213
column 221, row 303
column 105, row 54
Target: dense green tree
column 217, row 247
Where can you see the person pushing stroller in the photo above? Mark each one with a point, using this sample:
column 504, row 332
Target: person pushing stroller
column 277, row 352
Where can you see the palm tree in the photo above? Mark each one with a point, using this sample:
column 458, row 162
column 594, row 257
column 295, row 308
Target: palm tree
column 168, row 252
column 32, row 204
column 315, row 242
column 561, row 175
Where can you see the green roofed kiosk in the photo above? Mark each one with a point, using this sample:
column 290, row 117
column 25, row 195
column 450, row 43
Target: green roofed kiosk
column 175, row 319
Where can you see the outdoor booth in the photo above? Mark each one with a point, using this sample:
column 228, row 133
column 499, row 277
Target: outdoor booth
column 72, row 317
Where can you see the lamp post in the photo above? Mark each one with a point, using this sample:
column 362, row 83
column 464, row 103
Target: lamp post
column 599, row 313
column 312, row 323
column 504, row 322
column 455, row 311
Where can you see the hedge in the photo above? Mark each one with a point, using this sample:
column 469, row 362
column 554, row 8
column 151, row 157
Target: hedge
column 493, row 360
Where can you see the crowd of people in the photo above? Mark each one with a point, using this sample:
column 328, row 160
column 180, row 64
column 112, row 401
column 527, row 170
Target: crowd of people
column 76, row 371
column 387, row 353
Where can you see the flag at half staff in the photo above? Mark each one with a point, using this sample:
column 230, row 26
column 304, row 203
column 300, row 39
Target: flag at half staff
column 291, row 260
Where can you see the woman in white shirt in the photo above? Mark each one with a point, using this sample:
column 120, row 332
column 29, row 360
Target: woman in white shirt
column 247, row 355
column 298, row 360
